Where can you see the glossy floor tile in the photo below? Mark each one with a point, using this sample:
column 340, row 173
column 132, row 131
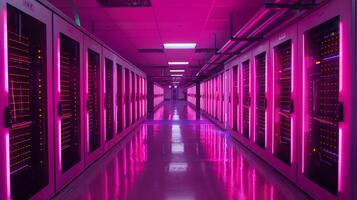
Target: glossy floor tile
column 179, row 155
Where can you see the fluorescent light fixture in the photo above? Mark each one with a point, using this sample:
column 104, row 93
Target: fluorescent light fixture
column 179, row 45
column 169, row 86
column 178, row 63
column 176, row 75
column 175, row 82
column 175, row 86
column 177, row 70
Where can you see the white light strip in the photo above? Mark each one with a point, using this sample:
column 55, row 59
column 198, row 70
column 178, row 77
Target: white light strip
column 179, row 45
column 176, row 75
column 178, row 63
column 177, row 70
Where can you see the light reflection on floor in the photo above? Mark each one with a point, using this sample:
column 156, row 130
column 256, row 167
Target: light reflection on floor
column 179, row 155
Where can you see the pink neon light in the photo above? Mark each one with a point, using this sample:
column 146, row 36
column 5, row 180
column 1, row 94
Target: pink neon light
column 58, row 65
column 59, row 145
column 7, row 146
column 105, row 122
column 292, row 67
column 266, row 73
column 254, row 97
column 292, row 141
column 273, row 113
column 340, row 153
column 4, row 22
column 87, row 136
column 86, row 70
column 266, row 128
column 303, row 104
column 341, row 59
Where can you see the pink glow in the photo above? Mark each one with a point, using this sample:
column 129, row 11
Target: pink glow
column 266, row 128
column 59, row 145
column 341, row 59
column 292, row 141
column 254, row 99
column 292, row 67
column 340, row 153
column 86, row 70
column 273, row 113
column 303, row 104
column 6, row 74
column 266, row 73
column 105, row 122
column 7, row 149
column 87, row 135
column 58, row 53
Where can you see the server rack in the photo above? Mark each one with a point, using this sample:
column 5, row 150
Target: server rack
column 94, row 84
column 68, row 100
column 132, row 98
column 137, row 93
column 284, row 148
column 235, row 98
column 127, row 98
column 222, row 98
column 326, row 101
column 260, row 103
column 26, row 167
column 109, row 99
column 120, row 99
column 246, row 98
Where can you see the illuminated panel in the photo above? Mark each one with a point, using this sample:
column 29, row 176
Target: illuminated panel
column 27, row 108
column 127, row 98
column 133, row 90
column 283, row 103
column 119, row 97
column 246, row 98
column 235, row 98
column 323, row 111
column 93, row 104
column 261, row 102
column 109, row 102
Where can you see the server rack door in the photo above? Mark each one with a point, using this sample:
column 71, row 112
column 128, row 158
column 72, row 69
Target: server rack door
column 93, row 103
column 235, row 98
column 326, row 129
column 120, row 100
column 109, row 99
column 26, row 101
column 133, row 105
column 246, row 98
column 127, row 98
column 68, row 99
column 137, row 97
column 94, row 97
column 283, row 104
column 323, row 109
column 260, row 100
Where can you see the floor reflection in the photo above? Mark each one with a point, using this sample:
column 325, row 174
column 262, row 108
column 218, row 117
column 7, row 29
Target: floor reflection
column 179, row 155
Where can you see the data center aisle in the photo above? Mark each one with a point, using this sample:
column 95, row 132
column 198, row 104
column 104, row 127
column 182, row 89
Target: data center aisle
column 180, row 155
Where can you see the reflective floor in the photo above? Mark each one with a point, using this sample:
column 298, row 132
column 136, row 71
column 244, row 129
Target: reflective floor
column 178, row 155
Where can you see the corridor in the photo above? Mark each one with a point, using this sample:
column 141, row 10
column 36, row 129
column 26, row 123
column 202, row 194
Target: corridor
column 179, row 155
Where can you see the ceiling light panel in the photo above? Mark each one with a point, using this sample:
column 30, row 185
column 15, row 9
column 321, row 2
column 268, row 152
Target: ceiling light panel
column 179, row 45
column 178, row 63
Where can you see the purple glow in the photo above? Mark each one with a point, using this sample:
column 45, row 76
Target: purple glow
column 59, row 145
column 273, row 113
column 7, row 149
column 303, row 105
column 340, row 153
column 341, row 59
column 6, row 74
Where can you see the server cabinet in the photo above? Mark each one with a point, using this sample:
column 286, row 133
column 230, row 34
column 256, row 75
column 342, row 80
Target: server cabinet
column 68, row 98
column 26, row 148
column 120, row 99
column 234, row 109
column 246, row 98
column 283, row 53
column 127, row 98
column 137, row 92
column 109, row 98
column 260, row 99
column 132, row 98
column 221, row 97
column 326, row 51
column 94, row 73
